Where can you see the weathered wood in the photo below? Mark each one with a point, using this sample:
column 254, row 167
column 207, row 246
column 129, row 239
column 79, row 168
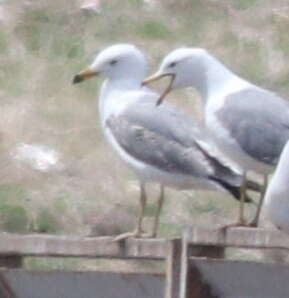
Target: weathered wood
column 200, row 240
column 173, row 269
column 67, row 246
column 184, row 267
column 191, row 284
column 254, row 238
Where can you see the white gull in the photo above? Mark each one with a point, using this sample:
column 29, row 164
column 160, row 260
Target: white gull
column 250, row 125
column 162, row 145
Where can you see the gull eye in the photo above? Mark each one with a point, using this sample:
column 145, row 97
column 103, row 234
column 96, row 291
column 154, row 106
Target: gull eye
column 113, row 62
column 173, row 64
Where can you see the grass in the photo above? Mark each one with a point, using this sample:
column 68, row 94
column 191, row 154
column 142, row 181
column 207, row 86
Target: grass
column 244, row 4
column 11, row 191
column 48, row 264
column 255, row 62
column 46, row 222
column 14, row 218
column 230, row 40
column 153, row 30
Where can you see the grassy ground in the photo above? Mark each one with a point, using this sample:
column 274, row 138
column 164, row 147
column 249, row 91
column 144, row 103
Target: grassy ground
column 44, row 43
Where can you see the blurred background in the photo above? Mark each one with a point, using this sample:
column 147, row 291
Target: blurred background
column 58, row 175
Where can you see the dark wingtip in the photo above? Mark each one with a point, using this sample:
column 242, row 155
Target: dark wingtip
column 159, row 101
column 235, row 191
column 77, row 79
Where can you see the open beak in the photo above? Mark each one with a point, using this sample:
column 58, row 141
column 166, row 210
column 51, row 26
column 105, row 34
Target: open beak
column 157, row 77
column 83, row 75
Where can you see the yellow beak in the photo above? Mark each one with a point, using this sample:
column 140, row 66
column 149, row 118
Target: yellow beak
column 83, row 75
column 157, row 77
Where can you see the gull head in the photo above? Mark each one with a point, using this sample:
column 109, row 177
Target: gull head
column 121, row 61
column 184, row 66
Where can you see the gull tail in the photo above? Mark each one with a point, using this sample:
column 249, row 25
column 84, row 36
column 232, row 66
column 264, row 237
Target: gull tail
column 227, row 177
column 234, row 190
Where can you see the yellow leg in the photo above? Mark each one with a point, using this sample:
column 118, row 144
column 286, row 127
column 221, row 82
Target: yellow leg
column 158, row 212
column 255, row 221
column 137, row 232
column 241, row 220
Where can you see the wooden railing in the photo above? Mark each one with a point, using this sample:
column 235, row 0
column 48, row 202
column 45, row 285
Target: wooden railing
column 196, row 241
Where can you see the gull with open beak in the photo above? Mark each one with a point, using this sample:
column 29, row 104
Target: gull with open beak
column 163, row 145
column 250, row 125
column 157, row 77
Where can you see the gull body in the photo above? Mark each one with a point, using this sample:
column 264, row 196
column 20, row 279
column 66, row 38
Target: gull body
column 162, row 145
column 250, row 125
column 276, row 202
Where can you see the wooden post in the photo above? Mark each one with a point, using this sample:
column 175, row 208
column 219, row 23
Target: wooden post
column 173, row 269
column 191, row 285
column 184, row 267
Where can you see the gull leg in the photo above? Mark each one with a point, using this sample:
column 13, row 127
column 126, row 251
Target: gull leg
column 241, row 220
column 137, row 232
column 159, row 208
column 254, row 222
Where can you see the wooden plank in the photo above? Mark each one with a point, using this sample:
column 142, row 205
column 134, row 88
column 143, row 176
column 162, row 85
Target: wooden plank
column 237, row 237
column 67, row 246
column 173, row 269
column 64, row 246
column 184, row 267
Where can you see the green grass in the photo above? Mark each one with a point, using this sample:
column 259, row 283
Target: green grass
column 48, row 264
column 244, row 4
column 12, row 192
column 283, row 44
column 170, row 230
column 13, row 218
column 46, row 222
column 229, row 40
column 4, row 43
column 153, row 30
column 255, row 62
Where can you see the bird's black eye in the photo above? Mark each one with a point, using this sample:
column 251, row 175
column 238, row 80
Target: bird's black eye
column 113, row 62
column 173, row 64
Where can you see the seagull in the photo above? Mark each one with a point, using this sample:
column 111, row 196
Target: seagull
column 162, row 146
column 276, row 202
column 249, row 124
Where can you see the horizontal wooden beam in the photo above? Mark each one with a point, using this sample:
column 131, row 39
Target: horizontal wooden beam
column 67, row 246
column 240, row 237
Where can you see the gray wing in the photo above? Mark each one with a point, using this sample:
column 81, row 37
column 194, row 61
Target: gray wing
column 155, row 149
column 259, row 121
column 165, row 119
column 165, row 138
